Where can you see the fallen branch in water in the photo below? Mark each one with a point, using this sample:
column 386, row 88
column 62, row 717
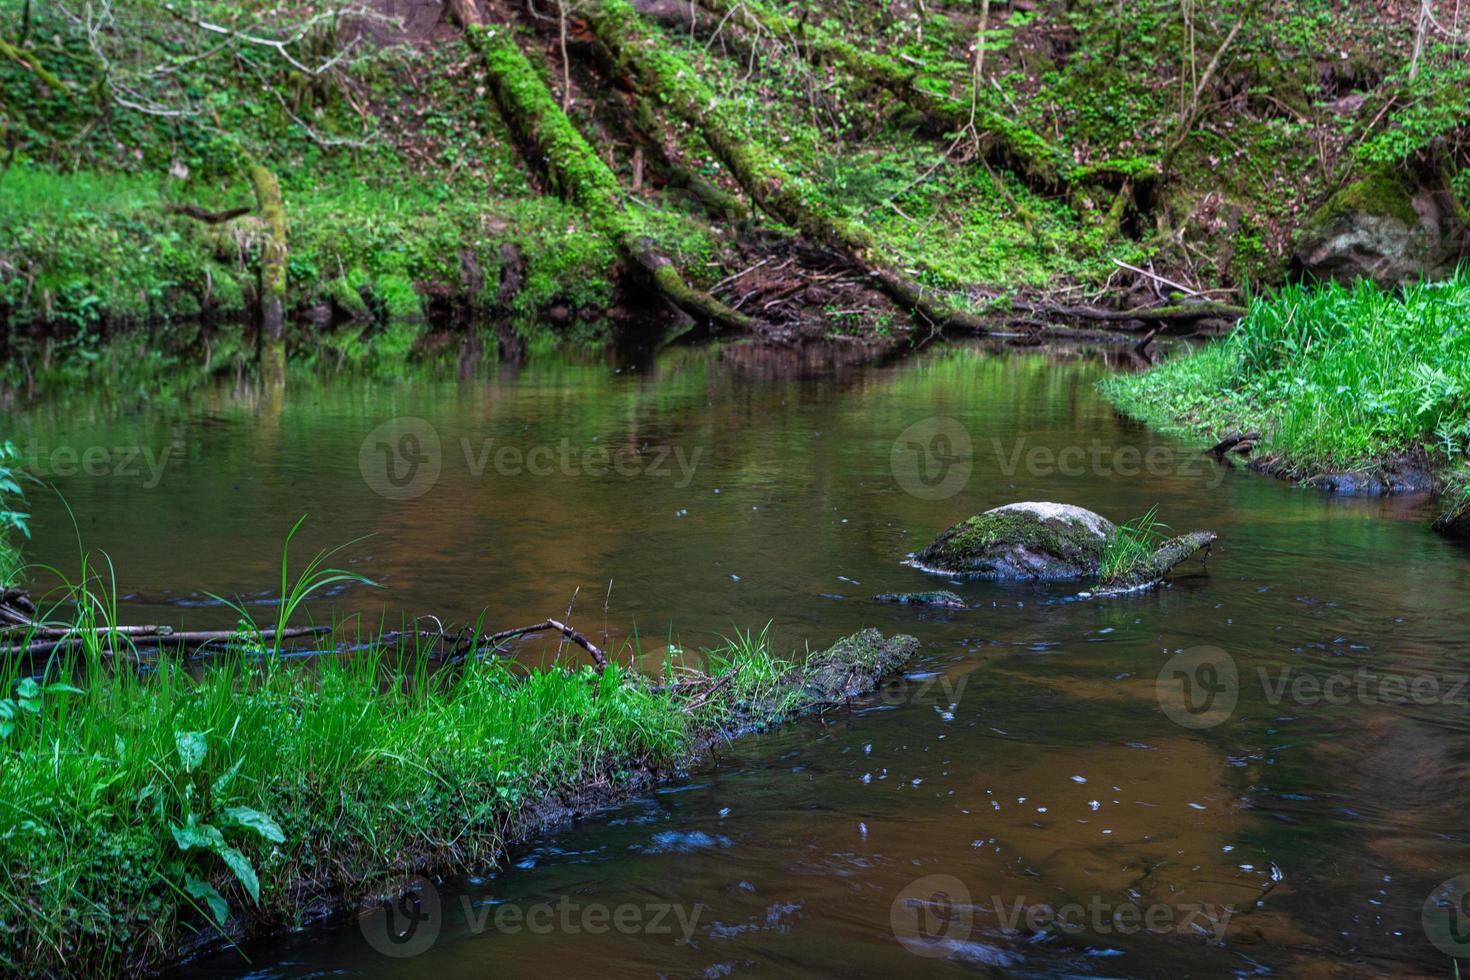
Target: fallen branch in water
column 598, row 657
column 58, row 639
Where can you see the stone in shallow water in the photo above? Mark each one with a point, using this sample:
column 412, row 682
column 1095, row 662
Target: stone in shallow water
column 940, row 599
column 1029, row 540
column 1043, row 541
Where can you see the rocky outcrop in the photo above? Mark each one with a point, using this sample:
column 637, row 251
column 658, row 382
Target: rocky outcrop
column 1384, row 229
column 1043, row 541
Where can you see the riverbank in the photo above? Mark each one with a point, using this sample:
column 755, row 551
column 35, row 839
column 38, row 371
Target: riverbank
column 1349, row 389
column 167, row 808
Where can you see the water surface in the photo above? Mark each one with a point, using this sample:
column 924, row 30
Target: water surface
column 1025, row 757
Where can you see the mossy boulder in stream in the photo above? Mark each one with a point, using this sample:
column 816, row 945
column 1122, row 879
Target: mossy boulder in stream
column 1031, row 540
column 1043, row 541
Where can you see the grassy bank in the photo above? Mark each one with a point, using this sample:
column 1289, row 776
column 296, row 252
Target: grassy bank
column 161, row 809
column 1334, row 378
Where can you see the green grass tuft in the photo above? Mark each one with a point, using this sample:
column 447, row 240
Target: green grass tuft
column 1130, row 546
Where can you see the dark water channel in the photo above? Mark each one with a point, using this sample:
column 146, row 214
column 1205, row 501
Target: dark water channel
column 1029, row 800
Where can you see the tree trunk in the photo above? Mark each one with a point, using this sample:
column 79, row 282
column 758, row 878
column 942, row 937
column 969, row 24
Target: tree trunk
column 272, row 256
column 578, row 173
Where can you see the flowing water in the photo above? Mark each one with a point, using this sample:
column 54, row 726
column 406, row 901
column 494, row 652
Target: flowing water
column 1031, row 798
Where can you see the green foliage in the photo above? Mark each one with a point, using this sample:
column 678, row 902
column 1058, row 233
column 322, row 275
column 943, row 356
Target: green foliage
column 1431, row 109
column 144, row 805
column 12, row 521
column 1333, row 376
column 1130, row 546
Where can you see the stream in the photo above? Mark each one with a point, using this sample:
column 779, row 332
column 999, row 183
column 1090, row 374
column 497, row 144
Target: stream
column 1031, row 798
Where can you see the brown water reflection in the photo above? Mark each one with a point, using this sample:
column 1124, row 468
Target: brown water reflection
column 1322, row 825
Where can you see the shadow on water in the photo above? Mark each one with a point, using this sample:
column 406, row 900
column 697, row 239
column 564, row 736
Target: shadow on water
column 1021, row 802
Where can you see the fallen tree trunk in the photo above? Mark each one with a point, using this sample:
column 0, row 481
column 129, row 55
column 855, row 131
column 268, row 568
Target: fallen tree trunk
column 1175, row 313
column 1007, row 144
column 660, row 74
column 575, row 169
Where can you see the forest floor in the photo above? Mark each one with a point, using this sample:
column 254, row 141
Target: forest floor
column 1190, row 146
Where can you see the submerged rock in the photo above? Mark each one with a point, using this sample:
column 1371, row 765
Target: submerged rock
column 853, row 666
column 1031, row 540
column 1043, row 541
column 940, row 599
column 1455, row 523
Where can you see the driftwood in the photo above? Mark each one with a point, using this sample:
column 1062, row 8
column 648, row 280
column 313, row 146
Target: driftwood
column 208, row 217
column 36, row 640
column 141, row 638
column 1239, row 442
column 16, row 607
column 1175, row 313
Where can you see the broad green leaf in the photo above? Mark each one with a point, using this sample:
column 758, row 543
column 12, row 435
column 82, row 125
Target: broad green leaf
column 28, row 688
column 262, row 823
column 192, row 747
column 216, row 902
column 198, row 835
column 222, row 784
column 244, row 870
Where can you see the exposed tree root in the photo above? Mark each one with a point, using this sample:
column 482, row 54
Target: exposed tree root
column 574, row 168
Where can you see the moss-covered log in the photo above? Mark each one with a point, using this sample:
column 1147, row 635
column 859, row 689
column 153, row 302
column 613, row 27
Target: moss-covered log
column 1006, row 143
column 580, row 175
column 272, row 255
column 661, row 75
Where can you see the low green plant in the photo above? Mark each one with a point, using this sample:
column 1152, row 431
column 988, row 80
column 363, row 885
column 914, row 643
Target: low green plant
column 1130, row 546
column 12, row 521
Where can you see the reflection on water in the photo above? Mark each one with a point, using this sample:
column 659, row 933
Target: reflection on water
column 1020, row 803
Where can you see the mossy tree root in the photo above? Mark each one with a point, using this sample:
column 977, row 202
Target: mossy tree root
column 637, row 51
column 1005, row 143
column 575, row 169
